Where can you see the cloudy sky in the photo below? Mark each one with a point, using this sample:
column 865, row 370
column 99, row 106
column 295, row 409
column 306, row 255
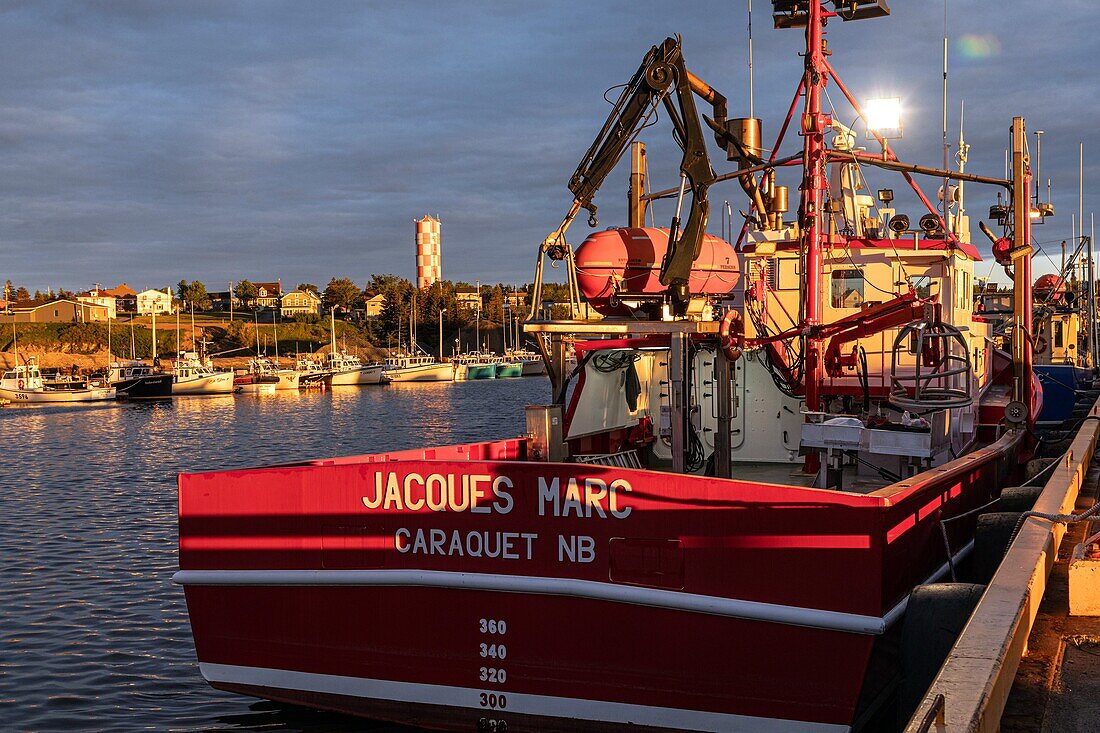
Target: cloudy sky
column 149, row 142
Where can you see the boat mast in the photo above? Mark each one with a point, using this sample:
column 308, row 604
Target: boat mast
column 1093, row 327
column 154, row 334
column 812, row 203
column 412, row 325
column 1021, row 269
column 1090, row 289
column 275, row 336
column 332, row 332
column 946, row 195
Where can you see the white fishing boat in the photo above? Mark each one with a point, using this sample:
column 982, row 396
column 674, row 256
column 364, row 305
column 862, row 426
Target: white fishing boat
column 533, row 365
column 193, row 376
column 256, row 388
column 268, row 369
column 23, row 384
column 310, row 373
column 418, row 368
column 345, row 370
column 348, row 370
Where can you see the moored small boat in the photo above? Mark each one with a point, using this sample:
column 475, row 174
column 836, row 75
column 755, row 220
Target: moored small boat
column 24, row 384
column 195, row 377
column 474, row 365
column 283, row 379
column 413, row 368
column 509, row 369
column 533, row 364
column 135, row 380
column 347, row 370
column 311, row 375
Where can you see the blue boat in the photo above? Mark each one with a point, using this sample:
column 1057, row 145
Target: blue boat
column 1060, row 383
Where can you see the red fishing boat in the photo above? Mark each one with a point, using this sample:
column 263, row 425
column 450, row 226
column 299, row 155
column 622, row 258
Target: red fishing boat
column 719, row 522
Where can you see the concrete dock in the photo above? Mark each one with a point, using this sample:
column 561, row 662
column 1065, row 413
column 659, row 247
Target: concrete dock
column 1023, row 662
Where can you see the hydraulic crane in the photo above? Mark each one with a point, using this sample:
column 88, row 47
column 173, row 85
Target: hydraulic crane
column 662, row 76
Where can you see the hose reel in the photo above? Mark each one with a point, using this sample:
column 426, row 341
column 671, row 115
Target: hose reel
column 941, row 363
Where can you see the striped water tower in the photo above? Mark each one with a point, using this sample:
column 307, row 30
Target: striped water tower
column 429, row 262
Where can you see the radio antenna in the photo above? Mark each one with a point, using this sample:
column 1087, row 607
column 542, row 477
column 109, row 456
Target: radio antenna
column 946, row 197
column 751, row 105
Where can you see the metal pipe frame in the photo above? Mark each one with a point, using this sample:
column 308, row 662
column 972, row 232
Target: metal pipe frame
column 670, row 192
column 896, row 165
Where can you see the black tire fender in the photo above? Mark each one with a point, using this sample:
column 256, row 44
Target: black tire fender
column 934, row 618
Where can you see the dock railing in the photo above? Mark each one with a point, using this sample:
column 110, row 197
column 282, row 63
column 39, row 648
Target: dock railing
column 972, row 687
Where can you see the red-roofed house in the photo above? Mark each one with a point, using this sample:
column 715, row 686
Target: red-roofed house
column 98, row 296
column 268, row 295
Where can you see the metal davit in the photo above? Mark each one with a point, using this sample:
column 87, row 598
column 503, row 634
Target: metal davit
column 936, row 371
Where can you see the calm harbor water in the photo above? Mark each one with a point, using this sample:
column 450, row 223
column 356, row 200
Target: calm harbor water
column 93, row 634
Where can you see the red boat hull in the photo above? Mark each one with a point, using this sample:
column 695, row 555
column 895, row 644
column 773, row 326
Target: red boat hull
column 450, row 586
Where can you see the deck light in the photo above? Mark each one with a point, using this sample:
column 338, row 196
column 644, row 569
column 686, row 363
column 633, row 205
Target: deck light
column 883, row 116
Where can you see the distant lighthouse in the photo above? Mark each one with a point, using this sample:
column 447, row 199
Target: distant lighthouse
column 429, row 262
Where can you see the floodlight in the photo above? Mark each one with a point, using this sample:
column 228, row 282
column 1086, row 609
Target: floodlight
column 883, row 116
column 930, row 224
column 899, row 223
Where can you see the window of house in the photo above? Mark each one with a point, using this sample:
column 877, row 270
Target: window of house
column 847, row 290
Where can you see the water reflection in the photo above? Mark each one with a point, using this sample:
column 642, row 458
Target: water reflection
column 91, row 627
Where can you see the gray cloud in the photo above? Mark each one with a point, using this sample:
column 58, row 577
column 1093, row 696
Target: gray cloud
column 152, row 141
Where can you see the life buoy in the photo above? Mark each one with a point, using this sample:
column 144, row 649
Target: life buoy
column 22, row 384
column 731, row 335
column 1040, row 345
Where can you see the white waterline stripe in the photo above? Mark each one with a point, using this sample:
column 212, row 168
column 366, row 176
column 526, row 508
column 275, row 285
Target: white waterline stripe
column 813, row 618
column 593, row 590
column 517, row 703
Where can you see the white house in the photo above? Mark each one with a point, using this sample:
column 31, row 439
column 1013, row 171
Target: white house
column 154, row 301
column 96, row 296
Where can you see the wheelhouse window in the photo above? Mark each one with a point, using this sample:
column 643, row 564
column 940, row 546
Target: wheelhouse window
column 922, row 286
column 847, row 290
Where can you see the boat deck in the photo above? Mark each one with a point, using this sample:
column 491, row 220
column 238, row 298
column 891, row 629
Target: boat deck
column 791, row 474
